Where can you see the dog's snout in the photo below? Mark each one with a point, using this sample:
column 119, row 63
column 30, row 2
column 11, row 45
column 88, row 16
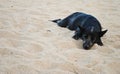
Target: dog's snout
column 86, row 47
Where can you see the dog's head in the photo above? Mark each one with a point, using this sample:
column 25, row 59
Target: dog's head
column 90, row 37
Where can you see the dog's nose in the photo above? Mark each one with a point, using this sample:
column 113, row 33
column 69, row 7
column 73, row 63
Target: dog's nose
column 86, row 47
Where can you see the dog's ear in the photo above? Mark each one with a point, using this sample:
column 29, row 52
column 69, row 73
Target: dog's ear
column 102, row 33
column 99, row 42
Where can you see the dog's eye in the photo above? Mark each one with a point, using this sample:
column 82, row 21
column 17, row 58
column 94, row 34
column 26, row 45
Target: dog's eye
column 93, row 39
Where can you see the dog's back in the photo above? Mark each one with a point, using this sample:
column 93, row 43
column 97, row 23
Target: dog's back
column 84, row 20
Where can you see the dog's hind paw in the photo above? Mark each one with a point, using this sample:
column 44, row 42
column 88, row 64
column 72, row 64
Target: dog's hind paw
column 56, row 21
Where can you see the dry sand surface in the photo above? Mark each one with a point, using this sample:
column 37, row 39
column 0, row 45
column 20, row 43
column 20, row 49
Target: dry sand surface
column 30, row 44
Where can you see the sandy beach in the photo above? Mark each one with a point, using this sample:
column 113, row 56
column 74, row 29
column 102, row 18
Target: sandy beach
column 31, row 44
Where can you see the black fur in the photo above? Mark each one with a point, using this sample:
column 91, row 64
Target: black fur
column 86, row 27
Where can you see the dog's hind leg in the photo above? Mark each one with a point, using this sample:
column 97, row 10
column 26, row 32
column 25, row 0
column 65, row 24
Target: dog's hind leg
column 60, row 22
column 63, row 23
column 66, row 22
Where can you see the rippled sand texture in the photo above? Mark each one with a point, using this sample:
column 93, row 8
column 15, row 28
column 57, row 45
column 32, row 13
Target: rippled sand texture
column 30, row 44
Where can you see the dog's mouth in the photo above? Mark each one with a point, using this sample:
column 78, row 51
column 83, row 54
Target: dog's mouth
column 87, row 45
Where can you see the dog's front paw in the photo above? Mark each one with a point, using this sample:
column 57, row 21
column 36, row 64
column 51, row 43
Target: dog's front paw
column 75, row 37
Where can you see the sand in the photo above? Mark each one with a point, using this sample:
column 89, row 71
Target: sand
column 30, row 44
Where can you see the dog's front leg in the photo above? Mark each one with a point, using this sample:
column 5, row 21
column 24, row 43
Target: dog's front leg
column 77, row 34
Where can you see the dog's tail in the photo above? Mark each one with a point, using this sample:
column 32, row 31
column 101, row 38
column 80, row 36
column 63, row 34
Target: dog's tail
column 56, row 20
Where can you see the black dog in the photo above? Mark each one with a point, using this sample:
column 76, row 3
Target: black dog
column 85, row 26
